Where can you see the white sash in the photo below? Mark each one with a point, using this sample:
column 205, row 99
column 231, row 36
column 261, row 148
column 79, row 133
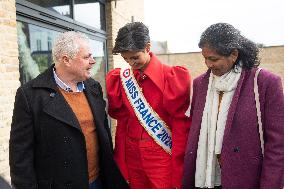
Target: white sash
column 147, row 117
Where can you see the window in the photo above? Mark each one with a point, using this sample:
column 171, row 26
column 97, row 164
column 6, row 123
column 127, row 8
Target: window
column 39, row 22
column 89, row 12
column 99, row 69
column 62, row 7
column 34, row 52
column 93, row 13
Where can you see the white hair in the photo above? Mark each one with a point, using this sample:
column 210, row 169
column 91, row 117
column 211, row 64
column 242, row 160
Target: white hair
column 67, row 44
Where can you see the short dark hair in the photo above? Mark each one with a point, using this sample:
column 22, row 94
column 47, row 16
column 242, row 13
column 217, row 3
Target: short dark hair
column 224, row 38
column 131, row 37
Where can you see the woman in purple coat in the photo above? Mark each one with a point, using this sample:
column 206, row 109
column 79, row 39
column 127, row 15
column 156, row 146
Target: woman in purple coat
column 224, row 146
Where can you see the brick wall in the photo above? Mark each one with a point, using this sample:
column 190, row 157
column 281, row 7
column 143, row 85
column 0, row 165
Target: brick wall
column 193, row 61
column 272, row 58
column 118, row 14
column 9, row 78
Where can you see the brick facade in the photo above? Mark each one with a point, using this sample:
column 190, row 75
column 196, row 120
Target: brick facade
column 272, row 59
column 118, row 14
column 9, row 78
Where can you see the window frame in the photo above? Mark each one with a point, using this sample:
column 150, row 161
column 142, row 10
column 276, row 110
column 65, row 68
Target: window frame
column 34, row 14
column 28, row 11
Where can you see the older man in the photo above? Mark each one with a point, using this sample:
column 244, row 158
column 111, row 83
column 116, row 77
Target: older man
column 60, row 136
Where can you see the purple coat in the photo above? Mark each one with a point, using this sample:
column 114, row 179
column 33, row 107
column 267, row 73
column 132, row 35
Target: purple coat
column 243, row 166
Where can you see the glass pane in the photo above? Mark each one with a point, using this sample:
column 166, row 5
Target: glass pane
column 60, row 6
column 99, row 69
column 90, row 13
column 35, row 45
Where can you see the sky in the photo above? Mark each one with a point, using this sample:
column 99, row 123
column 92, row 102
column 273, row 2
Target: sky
column 181, row 22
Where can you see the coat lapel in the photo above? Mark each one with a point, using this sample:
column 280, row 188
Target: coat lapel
column 200, row 97
column 55, row 105
column 233, row 107
column 97, row 104
column 59, row 109
column 94, row 95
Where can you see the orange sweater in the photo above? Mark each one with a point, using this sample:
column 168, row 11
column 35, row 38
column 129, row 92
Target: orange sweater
column 80, row 106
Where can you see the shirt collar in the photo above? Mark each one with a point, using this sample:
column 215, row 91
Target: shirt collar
column 65, row 87
column 155, row 71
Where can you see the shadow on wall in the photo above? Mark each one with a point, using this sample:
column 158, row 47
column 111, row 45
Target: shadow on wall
column 4, row 184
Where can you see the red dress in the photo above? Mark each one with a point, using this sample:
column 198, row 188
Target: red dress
column 139, row 158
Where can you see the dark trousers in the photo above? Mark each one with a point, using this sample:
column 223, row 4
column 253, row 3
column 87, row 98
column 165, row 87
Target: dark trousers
column 96, row 184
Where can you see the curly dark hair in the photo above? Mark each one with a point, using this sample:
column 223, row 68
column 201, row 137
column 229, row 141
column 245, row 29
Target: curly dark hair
column 224, row 38
column 131, row 37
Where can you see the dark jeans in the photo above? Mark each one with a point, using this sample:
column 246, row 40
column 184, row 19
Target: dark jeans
column 4, row 184
column 97, row 184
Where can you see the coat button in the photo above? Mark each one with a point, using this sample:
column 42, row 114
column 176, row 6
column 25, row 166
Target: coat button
column 67, row 185
column 144, row 77
column 66, row 163
column 66, row 139
column 236, row 149
column 52, row 95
